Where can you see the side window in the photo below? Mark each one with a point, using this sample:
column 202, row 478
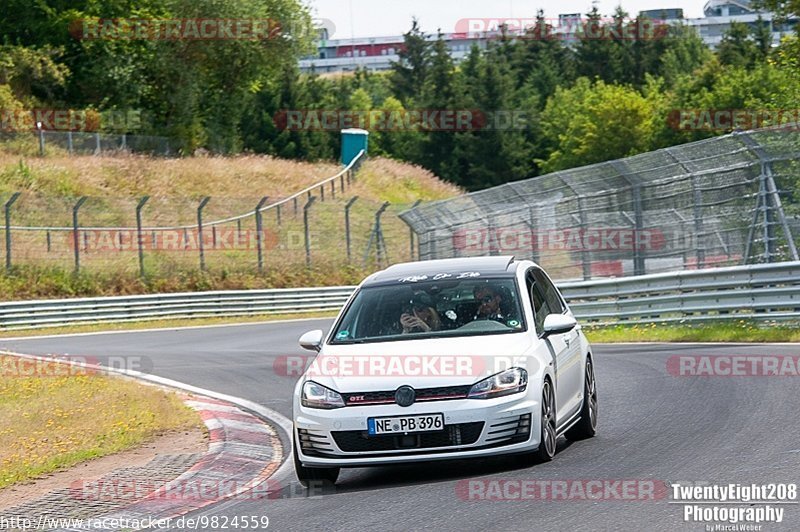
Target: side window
column 539, row 303
column 549, row 291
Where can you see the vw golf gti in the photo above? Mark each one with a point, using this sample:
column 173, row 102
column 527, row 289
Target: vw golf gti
column 444, row 359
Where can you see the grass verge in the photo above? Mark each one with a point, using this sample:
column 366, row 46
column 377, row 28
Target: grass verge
column 53, row 416
column 162, row 324
column 734, row 331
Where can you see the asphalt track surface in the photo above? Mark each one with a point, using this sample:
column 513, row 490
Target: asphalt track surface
column 653, row 427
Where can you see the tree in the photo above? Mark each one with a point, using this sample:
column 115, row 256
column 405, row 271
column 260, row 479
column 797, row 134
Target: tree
column 737, row 48
column 409, row 73
column 594, row 122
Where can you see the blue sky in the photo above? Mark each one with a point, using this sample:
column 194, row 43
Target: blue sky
column 372, row 18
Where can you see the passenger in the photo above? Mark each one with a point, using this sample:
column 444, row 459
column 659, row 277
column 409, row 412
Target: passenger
column 489, row 301
column 421, row 316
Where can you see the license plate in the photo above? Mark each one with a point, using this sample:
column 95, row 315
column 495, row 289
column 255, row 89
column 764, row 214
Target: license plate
column 403, row 424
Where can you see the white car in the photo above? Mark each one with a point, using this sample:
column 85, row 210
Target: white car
column 444, row 359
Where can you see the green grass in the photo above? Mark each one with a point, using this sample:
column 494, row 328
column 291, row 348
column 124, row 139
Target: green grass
column 43, row 262
column 732, row 331
column 162, row 324
column 60, row 417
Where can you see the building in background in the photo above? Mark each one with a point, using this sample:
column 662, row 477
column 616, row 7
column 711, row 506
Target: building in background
column 378, row 53
column 719, row 14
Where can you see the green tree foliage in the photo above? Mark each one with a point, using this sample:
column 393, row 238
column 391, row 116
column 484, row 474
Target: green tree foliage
column 594, row 122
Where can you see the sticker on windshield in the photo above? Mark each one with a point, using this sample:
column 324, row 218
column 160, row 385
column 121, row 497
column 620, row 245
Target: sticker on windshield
column 342, row 334
column 467, row 275
column 513, row 323
column 412, row 279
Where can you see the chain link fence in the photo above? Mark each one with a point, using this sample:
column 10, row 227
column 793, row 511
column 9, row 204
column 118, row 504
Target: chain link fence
column 324, row 226
column 48, row 142
column 724, row 201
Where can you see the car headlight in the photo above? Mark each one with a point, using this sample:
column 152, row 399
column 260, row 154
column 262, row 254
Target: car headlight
column 318, row 396
column 506, row 382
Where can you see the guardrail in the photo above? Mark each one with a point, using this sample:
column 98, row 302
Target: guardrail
column 769, row 291
column 764, row 291
column 59, row 312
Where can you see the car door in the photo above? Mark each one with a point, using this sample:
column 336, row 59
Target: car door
column 569, row 388
column 557, row 343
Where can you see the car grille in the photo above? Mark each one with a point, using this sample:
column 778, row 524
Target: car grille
column 360, row 441
column 423, row 394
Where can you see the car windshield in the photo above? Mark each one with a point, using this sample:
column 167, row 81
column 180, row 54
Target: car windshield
column 431, row 309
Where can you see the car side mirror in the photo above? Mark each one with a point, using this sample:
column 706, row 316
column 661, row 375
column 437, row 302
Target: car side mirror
column 558, row 324
column 312, row 340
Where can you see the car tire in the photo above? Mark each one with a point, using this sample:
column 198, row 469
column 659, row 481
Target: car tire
column 587, row 426
column 549, row 436
column 314, row 476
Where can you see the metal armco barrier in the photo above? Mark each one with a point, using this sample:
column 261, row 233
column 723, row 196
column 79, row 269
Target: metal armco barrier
column 769, row 291
column 766, row 291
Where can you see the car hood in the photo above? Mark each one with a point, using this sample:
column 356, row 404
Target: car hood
column 424, row 363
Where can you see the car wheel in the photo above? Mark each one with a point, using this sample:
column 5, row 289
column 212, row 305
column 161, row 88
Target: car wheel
column 547, row 447
column 314, row 476
column 587, row 426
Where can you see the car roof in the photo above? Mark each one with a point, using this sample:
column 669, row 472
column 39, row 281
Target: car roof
column 500, row 266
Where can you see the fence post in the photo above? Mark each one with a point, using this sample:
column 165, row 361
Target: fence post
column 305, row 230
column 69, row 142
column 76, row 241
column 97, row 149
column 347, row 224
column 322, row 192
column 638, row 254
column 7, row 209
column 586, row 254
column 48, row 240
column 278, row 211
column 259, row 233
column 411, row 233
column 139, row 236
column 200, row 246
column 377, row 236
column 41, row 139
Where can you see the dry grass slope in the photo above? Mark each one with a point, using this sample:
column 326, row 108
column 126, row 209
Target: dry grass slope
column 53, row 416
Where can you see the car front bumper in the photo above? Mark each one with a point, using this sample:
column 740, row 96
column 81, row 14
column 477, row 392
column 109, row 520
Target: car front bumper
column 473, row 428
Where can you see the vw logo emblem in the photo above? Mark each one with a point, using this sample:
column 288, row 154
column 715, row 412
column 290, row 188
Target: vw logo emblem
column 405, row 396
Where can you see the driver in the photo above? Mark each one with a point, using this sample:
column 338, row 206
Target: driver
column 489, row 300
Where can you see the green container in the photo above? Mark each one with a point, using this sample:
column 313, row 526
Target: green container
column 353, row 141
